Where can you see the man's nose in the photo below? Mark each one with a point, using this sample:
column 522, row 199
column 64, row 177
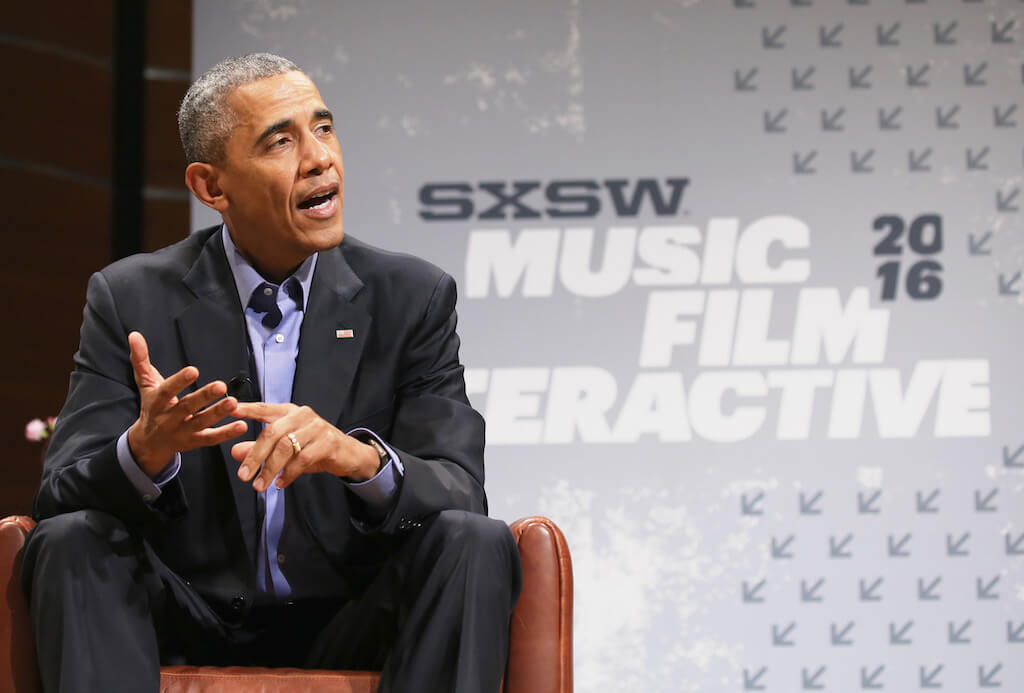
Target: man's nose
column 316, row 157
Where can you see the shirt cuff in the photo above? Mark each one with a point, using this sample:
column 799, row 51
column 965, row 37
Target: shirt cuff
column 148, row 488
column 379, row 491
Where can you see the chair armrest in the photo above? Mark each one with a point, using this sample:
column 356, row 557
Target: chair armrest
column 17, row 646
column 540, row 642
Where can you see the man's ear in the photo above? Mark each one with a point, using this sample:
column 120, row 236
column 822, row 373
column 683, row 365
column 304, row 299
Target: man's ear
column 202, row 179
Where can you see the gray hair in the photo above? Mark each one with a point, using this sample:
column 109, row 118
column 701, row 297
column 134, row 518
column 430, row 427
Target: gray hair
column 204, row 118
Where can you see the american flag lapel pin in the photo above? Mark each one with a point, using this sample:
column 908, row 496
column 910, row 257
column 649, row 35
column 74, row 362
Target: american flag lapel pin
column 344, row 334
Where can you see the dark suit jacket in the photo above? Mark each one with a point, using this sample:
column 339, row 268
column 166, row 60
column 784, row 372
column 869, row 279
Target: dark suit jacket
column 399, row 375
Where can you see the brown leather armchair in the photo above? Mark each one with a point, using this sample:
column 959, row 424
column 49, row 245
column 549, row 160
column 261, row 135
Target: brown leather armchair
column 540, row 646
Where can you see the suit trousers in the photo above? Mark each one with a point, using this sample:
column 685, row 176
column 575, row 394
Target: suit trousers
column 435, row 618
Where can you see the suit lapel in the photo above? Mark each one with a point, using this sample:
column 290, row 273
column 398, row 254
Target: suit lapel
column 334, row 333
column 213, row 335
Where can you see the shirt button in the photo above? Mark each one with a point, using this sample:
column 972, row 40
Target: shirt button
column 278, row 337
column 268, row 291
column 280, row 558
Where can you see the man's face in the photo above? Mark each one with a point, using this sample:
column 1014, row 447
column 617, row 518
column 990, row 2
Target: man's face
column 282, row 177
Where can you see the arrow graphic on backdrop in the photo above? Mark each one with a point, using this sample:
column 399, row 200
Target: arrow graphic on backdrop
column 773, row 39
column 886, row 36
column 779, row 550
column 1005, row 203
column 946, row 120
column 984, row 504
column 839, row 637
column 957, row 635
column 925, row 505
column 918, row 161
column 943, row 35
column 751, row 595
column 973, row 76
column 986, row 590
column 859, row 78
column 751, row 683
column 751, row 507
column 978, row 245
column 896, row 548
column 801, row 81
column 830, row 122
column 928, row 594
column 808, row 506
column 829, row 38
column 744, row 81
column 866, row 505
column 899, row 636
column 956, row 548
column 838, row 549
column 927, row 679
column 987, row 679
column 1014, row 633
column 1007, row 287
column 870, row 681
column 773, row 121
column 859, row 163
column 802, row 164
column 810, row 594
column 1015, row 459
column 1001, row 32
column 812, row 683
column 1003, row 119
column 780, row 638
column 916, row 76
column 1016, row 546
column 870, row 594
column 976, row 160
column 888, row 120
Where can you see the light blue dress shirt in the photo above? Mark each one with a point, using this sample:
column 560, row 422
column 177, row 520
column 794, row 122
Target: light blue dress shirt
column 274, row 351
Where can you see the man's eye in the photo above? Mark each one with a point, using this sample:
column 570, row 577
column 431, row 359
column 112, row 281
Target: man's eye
column 325, row 129
column 280, row 141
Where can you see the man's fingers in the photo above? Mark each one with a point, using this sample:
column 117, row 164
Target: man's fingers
column 218, row 435
column 145, row 374
column 212, row 414
column 195, row 402
column 261, row 411
column 165, row 394
column 240, row 450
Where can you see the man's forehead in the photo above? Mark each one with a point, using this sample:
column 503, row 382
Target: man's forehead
column 288, row 95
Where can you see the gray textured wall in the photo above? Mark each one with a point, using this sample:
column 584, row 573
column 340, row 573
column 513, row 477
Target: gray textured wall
column 785, row 450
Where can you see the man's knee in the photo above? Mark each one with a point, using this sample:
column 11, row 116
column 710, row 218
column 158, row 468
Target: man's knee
column 71, row 537
column 477, row 540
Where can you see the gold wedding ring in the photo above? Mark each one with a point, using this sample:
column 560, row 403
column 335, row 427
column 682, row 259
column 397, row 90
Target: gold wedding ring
column 296, row 448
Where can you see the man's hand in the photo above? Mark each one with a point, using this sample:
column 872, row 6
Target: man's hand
column 168, row 424
column 322, row 447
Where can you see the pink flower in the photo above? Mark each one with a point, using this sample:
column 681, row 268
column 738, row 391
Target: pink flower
column 35, row 430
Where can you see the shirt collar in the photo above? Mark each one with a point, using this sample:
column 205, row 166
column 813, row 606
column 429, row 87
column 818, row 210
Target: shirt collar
column 247, row 278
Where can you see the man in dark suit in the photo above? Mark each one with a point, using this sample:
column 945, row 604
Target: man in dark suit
column 347, row 529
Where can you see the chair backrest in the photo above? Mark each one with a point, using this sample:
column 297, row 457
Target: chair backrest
column 17, row 652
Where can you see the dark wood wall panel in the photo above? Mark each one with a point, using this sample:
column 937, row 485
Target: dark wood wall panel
column 58, row 111
column 169, row 34
column 165, row 160
column 55, row 174
column 167, row 221
column 69, row 25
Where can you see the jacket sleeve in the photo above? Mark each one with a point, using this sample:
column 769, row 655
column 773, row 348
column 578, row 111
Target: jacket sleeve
column 437, row 435
column 81, row 469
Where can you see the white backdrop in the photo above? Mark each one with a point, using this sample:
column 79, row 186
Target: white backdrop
column 740, row 298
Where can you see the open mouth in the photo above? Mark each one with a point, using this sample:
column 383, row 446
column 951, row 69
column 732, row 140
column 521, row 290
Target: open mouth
column 320, row 199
